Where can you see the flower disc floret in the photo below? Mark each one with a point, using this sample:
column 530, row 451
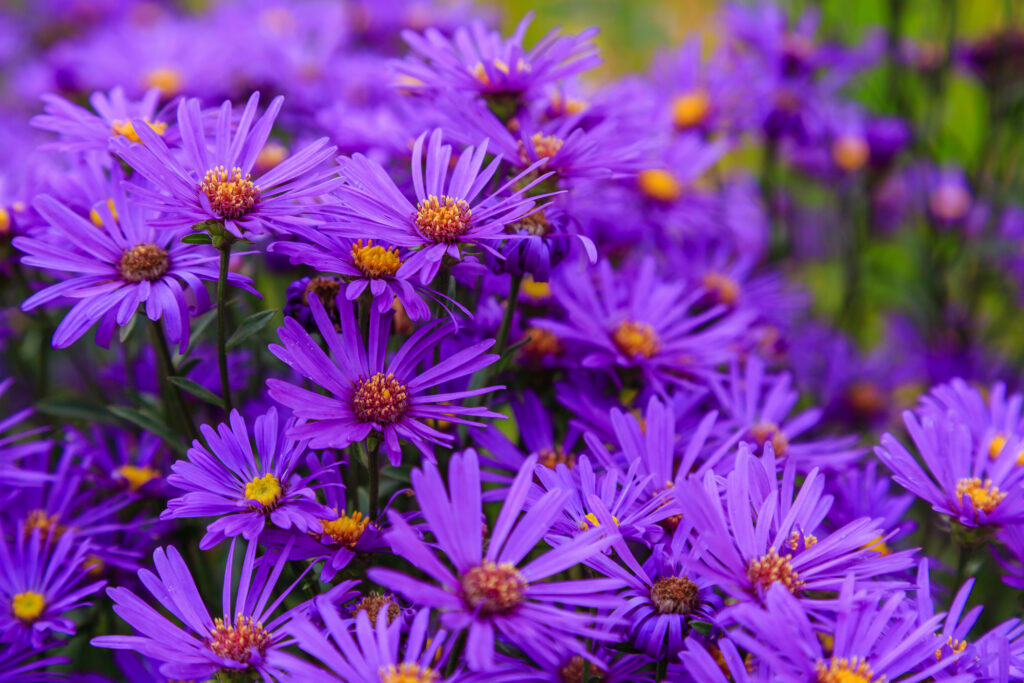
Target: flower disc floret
column 774, row 568
column 375, row 260
column 144, row 261
column 28, row 606
column 346, row 529
column 381, row 399
column 231, row 194
column 443, row 219
column 265, row 490
column 408, row 672
column 238, row 641
column 844, row 670
column 675, row 595
column 493, row 588
column 636, row 339
column 984, row 495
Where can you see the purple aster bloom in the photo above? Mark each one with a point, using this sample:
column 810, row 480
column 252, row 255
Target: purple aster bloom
column 212, row 180
column 449, row 212
column 123, row 460
column 116, row 269
column 113, row 115
column 758, row 531
column 18, row 665
column 16, row 444
column 324, row 287
column 245, row 487
column 547, row 243
column 960, row 478
column 242, row 640
column 865, row 491
column 368, row 391
column 992, row 418
column 41, row 580
column 491, row 593
column 368, row 653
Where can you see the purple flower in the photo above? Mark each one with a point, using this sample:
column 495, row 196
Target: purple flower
column 491, row 594
column 449, row 213
column 113, row 115
column 125, row 264
column 41, row 581
column 245, row 487
column 241, row 640
column 212, row 181
column 16, row 445
column 369, row 392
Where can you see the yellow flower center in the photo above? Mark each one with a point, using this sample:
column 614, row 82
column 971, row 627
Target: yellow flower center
column 774, row 568
column 691, row 109
column 878, row 545
column 95, row 217
column 544, row 146
column 126, row 129
column 144, row 261
column 408, row 672
column 636, row 339
column 550, row 457
column 346, row 529
column 535, row 291
column 375, row 261
column 271, row 155
column 850, row 152
column 542, row 343
column 28, row 606
column 725, row 290
column 996, row 446
column 844, row 670
column 590, row 520
column 442, row 219
column 984, row 496
column 47, row 524
column 168, row 79
column 381, row 399
column 659, row 184
column 136, row 476
column 265, row 490
column 493, row 588
column 5, row 220
column 373, row 603
column 535, row 224
column 240, row 640
column 231, row 194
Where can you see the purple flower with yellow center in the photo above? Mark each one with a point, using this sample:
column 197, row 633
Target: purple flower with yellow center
column 115, row 269
column 240, row 642
column 959, row 478
column 764, row 530
column 245, row 487
column 492, row 593
column 370, row 392
column 212, row 180
column 41, row 581
column 371, row 652
column 993, row 418
column 449, row 212
column 113, row 115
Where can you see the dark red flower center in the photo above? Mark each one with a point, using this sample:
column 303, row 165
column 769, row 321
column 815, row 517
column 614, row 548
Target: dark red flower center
column 144, row 261
column 675, row 595
column 381, row 399
column 493, row 588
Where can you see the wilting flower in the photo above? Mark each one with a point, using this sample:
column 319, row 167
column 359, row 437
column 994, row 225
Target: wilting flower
column 491, row 592
column 213, row 182
column 245, row 487
column 371, row 393
column 113, row 115
column 125, row 264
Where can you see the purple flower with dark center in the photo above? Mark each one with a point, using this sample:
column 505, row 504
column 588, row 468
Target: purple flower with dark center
column 370, row 392
column 212, row 180
column 491, row 593
column 449, row 213
column 41, row 581
column 245, row 487
column 240, row 641
column 125, row 264
column 113, row 115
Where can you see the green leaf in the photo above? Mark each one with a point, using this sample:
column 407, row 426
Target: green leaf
column 250, row 326
column 126, row 331
column 197, row 390
column 74, row 409
column 150, row 424
column 198, row 329
column 197, row 238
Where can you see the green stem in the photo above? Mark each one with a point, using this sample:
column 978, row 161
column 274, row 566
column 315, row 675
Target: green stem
column 510, row 310
column 373, row 465
column 165, row 367
column 222, row 334
column 662, row 672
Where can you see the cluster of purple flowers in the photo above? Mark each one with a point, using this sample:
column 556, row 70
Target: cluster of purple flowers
column 435, row 360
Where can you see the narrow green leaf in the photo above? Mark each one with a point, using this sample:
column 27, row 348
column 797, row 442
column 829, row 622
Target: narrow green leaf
column 250, row 326
column 150, row 424
column 198, row 329
column 126, row 331
column 74, row 409
column 197, row 238
column 197, row 390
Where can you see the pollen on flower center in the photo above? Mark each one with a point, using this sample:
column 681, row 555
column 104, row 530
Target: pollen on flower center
column 774, row 568
column 97, row 219
column 844, row 670
column 373, row 603
column 408, row 672
column 442, row 219
column 659, row 184
column 126, row 129
column 28, row 606
column 544, row 147
column 136, row 476
column 265, row 490
column 763, row 432
column 691, row 109
column 347, row 529
column 381, row 399
column 535, row 224
column 636, row 339
column 542, row 343
column 551, row 457
column 144, row 261
column 240, row 640
column 572, row 671
column 984, row 496
column 47, row 524
column 168, row 79
column 231, row 194
column 675, row 595
column 493, row 588
column 725, row 290
column 375, row 260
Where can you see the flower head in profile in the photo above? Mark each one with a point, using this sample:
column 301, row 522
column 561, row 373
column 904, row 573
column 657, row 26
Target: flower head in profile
column 115, row 269
column 370, row 391
column 496, row 593
column 242, row 486
column 211, row 180
column 449, row 213
column 42, row 579
column 113, row 115
column 191, row 644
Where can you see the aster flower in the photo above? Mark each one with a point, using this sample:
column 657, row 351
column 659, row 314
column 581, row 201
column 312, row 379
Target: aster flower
column 42, row 579
column 245, row 488
column 992, row 418
column 242, row 640
column 113, row 115
column 491, row 593
column 449, row 213
column 369, row 392
column 372, row 652
column 114, row 270
column 960, row 478
column 18, row 664
column 212, row 180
